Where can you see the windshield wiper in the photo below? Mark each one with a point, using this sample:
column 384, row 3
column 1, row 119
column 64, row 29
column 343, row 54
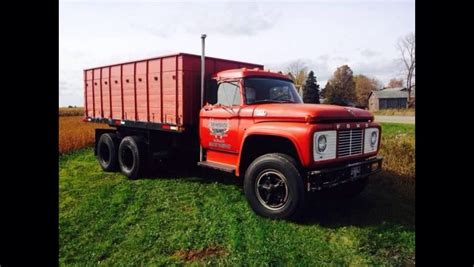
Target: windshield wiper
column 272, row 101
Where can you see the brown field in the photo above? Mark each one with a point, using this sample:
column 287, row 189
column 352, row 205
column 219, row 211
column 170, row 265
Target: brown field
column 71, row 111
column 75, row 134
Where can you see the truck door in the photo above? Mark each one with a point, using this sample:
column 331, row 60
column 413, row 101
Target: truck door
column 219, row 122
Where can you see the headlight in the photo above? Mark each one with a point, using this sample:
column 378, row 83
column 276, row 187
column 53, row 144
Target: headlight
column 322, row 143
column 373, row 139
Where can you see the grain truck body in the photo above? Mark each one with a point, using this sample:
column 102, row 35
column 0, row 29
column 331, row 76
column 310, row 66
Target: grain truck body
column 252, row 124
column 156, row 93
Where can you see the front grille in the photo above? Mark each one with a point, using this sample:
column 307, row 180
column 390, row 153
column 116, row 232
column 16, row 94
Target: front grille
column 349, row 142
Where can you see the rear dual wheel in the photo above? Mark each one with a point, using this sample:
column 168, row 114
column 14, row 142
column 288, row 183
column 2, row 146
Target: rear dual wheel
column 128, row 155
column 132, row 156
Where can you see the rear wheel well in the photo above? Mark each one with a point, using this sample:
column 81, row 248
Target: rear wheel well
column 258, row 145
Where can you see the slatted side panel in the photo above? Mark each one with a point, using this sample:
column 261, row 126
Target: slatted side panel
column 154, row 80
column 141, row 85
column 97, row 94
column 169, row 90
column 180, row 87
column 116, row 92
column 89, row 94
column 162, row 90
column 128, row 91
column 192, row 91
column 105, row 92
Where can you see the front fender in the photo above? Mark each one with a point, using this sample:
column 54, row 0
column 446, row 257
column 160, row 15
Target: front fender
column 300, row 134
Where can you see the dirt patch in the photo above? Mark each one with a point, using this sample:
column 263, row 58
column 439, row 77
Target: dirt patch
column 199, row 254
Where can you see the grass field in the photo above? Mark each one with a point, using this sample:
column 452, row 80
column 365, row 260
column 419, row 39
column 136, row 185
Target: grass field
column 398, row 150
column 175, row 218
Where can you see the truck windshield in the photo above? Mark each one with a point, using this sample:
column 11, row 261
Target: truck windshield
column 270, row 90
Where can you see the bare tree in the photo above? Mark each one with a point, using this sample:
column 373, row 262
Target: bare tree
column 394, row 83
column 298, row 72
column 406, row 46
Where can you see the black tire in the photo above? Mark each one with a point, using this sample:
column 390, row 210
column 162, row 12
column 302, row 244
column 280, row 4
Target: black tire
column 263, row 179
column 132, row 156
column 107, row 151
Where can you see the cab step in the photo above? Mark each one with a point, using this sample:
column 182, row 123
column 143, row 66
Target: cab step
column 217, row 166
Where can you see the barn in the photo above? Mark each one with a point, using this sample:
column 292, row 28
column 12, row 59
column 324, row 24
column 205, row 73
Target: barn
column 389, row 98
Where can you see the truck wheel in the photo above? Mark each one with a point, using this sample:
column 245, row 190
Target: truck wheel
column 131, row 156
column 274, row 187
column 107, row 151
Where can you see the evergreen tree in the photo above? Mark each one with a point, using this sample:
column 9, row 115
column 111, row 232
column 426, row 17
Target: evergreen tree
column 311, row 89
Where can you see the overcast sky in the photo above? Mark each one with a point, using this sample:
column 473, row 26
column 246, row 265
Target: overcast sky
column 324, row 34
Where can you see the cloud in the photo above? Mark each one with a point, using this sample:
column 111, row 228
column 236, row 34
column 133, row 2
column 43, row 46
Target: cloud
column 229, row 19
column 340, row 59
column 324, row 57
column 70, row 92
column 368, row 53
column 320, row 66
column 68, row 88
column 380, row 68
column 237, row 1
column 102, row 32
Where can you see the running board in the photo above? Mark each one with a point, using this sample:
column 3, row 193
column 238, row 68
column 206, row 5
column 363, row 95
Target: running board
column 217, row 166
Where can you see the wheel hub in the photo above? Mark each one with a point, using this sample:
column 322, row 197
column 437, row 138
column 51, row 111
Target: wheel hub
column 271, row 189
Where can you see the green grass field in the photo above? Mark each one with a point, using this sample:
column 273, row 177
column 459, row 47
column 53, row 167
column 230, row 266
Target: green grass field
column 178, row 218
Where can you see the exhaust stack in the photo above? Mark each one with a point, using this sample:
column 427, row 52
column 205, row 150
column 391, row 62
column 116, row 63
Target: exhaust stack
column 203, row 69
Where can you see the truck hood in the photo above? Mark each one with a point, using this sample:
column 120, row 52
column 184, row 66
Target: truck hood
column 309, row 113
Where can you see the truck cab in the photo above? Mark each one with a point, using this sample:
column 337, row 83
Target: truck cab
column 255, row 125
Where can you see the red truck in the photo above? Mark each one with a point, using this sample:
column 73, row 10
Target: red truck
column 234, row 117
